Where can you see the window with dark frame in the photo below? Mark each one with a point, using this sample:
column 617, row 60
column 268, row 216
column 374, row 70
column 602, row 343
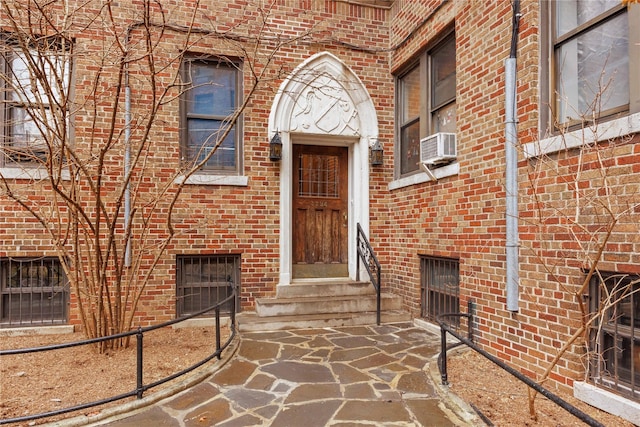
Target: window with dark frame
column 615, row 340
column 208, row 103
column 591, row 69
column 426, row 102
column 440, row 288
column 409, row 120
column 34, row 85
column 33, row 292
column 206, row 280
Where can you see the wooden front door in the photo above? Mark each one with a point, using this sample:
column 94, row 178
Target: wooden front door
column 320, row 211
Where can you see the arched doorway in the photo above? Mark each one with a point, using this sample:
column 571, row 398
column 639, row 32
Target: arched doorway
column 322, row 104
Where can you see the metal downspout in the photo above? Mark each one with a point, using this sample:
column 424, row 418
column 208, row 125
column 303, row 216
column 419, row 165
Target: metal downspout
column 511, row 178
column 127, row 157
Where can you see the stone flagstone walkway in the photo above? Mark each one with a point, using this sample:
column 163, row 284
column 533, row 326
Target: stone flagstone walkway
column 350, row 376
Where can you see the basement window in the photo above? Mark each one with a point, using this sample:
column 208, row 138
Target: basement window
column 615, row 340
column 204, row 280
column 33, row 292
column 440, row 288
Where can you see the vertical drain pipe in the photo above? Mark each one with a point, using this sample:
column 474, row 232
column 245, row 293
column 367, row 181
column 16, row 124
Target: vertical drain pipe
column 127, row 155
column 511, row 155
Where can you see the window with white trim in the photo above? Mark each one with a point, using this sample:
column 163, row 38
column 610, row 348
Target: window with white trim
column 594, row 61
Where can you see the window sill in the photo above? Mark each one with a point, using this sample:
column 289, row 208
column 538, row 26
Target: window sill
column 202, row 179
column 607, row 401
column 601, row 132
column 35, row 173
column 421, row 177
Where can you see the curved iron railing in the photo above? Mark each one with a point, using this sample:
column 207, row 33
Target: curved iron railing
column 139, row 333
column 368, row 257
column 442, row 365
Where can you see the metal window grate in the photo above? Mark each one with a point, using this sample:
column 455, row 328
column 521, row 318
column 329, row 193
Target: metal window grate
column 203, row 281
column 33, row 292
column 440, row 288
column 615, row 340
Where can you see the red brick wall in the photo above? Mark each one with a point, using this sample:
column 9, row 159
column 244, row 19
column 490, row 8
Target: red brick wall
column 463, row 216
column 213, row 219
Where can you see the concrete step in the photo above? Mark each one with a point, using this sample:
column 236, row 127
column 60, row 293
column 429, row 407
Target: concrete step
column 324, row 288
column 251, row 322
column 266, row 307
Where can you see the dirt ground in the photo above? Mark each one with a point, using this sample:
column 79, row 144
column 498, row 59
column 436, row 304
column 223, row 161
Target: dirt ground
column 40, row 382
column 503, row 399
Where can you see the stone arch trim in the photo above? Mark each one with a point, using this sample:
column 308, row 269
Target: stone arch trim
column 324, row 78
column 323, row 101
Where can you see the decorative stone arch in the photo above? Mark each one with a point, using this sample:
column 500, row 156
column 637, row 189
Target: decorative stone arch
column 323, row 102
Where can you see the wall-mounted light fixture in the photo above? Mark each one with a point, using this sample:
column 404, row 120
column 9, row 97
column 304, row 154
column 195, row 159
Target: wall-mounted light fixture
column 376, row 154
column 275, row 148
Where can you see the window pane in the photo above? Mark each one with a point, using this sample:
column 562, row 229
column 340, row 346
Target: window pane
column 319, row 176
column 600, row 60
column 573, row 13
column 410, row 148
column 444, row 119
column 203, row 136
column 443, row 74
column 410, row 90
column 24, row 130
column 27, row 78
column 213, row 91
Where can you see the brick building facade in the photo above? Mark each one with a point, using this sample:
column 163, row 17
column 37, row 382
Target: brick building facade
column 344, row 75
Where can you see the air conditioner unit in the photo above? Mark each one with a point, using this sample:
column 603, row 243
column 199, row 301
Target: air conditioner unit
column 438, row 148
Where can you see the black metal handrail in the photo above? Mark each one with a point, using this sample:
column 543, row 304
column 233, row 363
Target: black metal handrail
column 368, row 257
column 442, row 365
column 139, row 333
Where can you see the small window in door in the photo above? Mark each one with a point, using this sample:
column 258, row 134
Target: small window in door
column 319, row 176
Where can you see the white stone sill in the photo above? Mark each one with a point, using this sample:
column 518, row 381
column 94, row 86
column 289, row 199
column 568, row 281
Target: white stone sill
column 607, row 401
column 202, row 179
column 601, row 132
column 37, row 174
column 32, row 174
column 419, row 178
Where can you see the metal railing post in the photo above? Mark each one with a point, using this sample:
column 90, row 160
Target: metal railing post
column 470, row 320
column 370, row 262
column 379, row 302
column 217, row 311
column 139, row 365
column 443, row 353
